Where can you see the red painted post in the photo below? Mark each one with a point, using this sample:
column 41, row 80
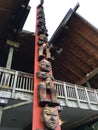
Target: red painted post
column 37, row 124
column 36, row 108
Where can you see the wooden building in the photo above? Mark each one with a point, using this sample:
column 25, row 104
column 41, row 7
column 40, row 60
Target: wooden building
column 74, row 46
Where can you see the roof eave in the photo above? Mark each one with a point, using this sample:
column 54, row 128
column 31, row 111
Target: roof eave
column 63, row 23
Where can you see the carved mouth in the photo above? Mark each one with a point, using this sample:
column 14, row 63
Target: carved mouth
column 52, row 122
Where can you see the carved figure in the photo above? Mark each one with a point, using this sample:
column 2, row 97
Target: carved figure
column 41, row 3
column 42, row 27
column 49, row 83
column 44, row 75
column 40, row 43
column 40, row 10
column 42, row 30
column 44, row 51
column 40, row 15
column 40, row 52
column 50, row 117
column 42, row 37
column 42, row 20
column 41, row 23
column 45, row 65
column 45, row 87
column 48, row 54
column 42, row 94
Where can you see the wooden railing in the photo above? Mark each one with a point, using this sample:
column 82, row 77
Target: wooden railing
column 19, row 81
column 74, row 92
column 16, row 80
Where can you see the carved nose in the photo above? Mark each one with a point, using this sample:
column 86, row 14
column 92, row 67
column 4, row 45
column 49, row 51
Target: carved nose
column 52, row 118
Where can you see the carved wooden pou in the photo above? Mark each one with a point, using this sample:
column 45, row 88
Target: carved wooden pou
column 45, row 93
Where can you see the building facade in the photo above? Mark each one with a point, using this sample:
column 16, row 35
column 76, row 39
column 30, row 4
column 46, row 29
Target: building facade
column 74, row 47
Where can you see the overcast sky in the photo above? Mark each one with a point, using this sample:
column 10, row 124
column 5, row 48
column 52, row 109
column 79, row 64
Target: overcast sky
column 55, row 10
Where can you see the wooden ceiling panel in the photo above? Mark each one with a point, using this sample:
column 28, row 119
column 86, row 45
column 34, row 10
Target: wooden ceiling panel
column 84, row 43
column 66, row 75
column 5, row 20
column 27, row 46
column 9, row 4
column 80, row 49
column 7, row 9
column 80, row 53
column 74, row 62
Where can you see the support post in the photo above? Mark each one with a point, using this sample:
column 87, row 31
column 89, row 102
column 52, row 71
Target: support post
column 1, row 111
column 12, row 45
column 9, row 59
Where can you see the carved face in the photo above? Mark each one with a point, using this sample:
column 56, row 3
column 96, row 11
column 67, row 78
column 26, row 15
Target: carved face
column 42, row 37
column 45, row 65
column 50, row 117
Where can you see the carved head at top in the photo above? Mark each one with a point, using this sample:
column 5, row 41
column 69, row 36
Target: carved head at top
column 50, row 117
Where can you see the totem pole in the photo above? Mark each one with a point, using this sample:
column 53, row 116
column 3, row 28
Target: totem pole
column 45, row 112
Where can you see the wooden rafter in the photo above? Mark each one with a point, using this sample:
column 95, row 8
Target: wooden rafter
column 88, row 76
